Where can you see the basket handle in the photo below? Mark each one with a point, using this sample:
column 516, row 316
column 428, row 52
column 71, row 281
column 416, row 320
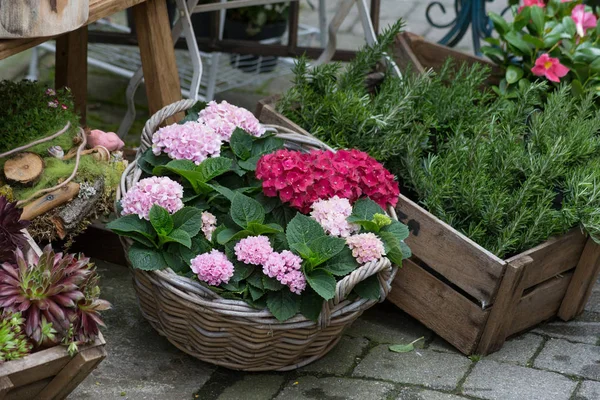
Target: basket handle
column 159, row 117
column 383, row 267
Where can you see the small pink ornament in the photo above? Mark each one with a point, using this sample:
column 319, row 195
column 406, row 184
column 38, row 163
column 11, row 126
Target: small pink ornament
column 110, row 140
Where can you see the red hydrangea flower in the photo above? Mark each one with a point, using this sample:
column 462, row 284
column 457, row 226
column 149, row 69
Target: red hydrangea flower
column 300, row 179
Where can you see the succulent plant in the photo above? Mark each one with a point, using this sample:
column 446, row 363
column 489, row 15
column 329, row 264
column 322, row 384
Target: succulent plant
column 13, row 341
column 11, row 235
column 55, row 289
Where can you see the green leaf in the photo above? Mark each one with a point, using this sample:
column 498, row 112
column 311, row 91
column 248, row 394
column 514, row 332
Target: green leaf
column 134, row 227
column 282, row 215
column 241, row 272
column 311, row 305
column 188, row 219
column 499, row 23
column 265, row 145
column 303, row 229
column 538, row 16
column 199, row 246
column 283, row 304
column 393, row 247
column 577, row 89
column 398, row 229
column 193, row 113
column 148, row 161
column 342, row 263
column 241, row 143
column 249, row 164
column 175, row 262
column 322, row 282
column 494, row 53
column 245, row 210
column 364, row 210
column 280, row 242
column 259, row 229
column 256, row 280
column 226, row 235
column 255, row 292
column 187, row 170
column 515, row 40
column 214, row 167
column 146, row 259
column 569, row 26
column 522, row 19
column 179, row 236
column 537, row 42
column 368, row 289
column 271, row 283
column 595, row 65
column 161, row 220
column 406, row 252
column 406, row 348
column 323, row 248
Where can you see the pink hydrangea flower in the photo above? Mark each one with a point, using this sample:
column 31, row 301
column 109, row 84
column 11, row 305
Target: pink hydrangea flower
column 331, row 215
column 583, row 20
column 549, row 67
column 161, row 191
column 209, row 224
column 285, row 267
column 253, row 250
column 366, row 247
column 191, row 141
column 224, row 118
column 213, row 268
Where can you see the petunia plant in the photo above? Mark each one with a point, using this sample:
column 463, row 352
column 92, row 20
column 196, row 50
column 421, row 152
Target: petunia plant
column 223, row 202
column 555, row 40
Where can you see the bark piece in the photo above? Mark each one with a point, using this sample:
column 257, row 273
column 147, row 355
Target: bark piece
column 50, row 201
column 77, row 210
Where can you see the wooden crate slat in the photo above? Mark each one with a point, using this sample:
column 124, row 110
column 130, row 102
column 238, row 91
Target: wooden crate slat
column 438, row 306
column 28, row 392
column 541, row 304
column 553, row 257
column 450, row 253
column 509, row 295
column 582, row 283
column 5, row 386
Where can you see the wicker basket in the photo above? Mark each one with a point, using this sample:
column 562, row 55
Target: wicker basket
column 230, row 333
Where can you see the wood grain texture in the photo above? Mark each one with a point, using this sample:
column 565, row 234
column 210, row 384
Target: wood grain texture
column 583, row 281
column 508, row 296
column 5, row 386
column 50, row 201
column 97, row 9
column 71, row 67
column 553, row 257
column 540, row 304
column 268, row 115
column 437, row 305
column 450, row 253
column 158, row 55
column 41, row 18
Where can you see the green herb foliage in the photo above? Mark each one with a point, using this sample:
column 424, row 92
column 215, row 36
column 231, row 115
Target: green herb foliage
column 26, row 116
column 507, row 173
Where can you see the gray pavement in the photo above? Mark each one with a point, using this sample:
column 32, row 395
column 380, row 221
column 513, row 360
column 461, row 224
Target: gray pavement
column 544, row 364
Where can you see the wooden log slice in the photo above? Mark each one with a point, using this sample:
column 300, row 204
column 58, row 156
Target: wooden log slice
column 38, row 18
column 24, row 168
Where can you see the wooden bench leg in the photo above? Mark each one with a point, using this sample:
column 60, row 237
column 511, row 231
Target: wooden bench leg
column 582, row 282
column 71, row 67
column 508, row 297
column 158, row 55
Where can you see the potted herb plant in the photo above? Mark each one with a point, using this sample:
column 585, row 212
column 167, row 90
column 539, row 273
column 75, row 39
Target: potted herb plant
column 499, row 191
column 49, row 309
column 239, row 246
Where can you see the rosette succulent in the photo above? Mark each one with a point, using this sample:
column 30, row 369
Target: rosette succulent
column 11, row 235
column 13, row 342
column 54, row 289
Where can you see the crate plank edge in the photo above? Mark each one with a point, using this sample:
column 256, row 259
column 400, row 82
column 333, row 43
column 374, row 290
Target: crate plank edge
column 467, row 295
column 49, row 374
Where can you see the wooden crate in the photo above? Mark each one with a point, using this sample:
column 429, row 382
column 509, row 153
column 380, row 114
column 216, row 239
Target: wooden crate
column 466, row 294
column 49, row 374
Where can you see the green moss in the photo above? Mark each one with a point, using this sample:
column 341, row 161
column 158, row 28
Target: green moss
column 26, row 115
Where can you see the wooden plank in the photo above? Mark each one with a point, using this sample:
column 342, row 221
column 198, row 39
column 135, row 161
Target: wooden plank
column 98, row 9
column 28, row 392
column 509, row 294
column 71, row 67
column 441, row 308
column 553, row 257
column 540, row 304
column 583, row 281
column 405, row 57
column 73, row 373
column 158, row 56
column 5, row 386
column 268, row 115
column 375, row 12
column 450, row 253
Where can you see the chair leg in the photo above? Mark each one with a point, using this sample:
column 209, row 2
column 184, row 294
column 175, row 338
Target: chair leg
column 190, row 38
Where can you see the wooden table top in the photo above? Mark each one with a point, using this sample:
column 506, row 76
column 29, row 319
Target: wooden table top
column 98, row 9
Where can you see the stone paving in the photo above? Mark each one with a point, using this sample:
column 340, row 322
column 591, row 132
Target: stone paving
column 544, row 364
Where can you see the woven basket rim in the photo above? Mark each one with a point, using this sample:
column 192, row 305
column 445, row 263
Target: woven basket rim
column 204, row 296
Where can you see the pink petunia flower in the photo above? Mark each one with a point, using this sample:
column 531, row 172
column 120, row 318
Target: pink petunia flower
column 161, row 191
column 253, row 250
column 549, row 67
column 366, row 247
column 583, row 20
column 213, row 268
